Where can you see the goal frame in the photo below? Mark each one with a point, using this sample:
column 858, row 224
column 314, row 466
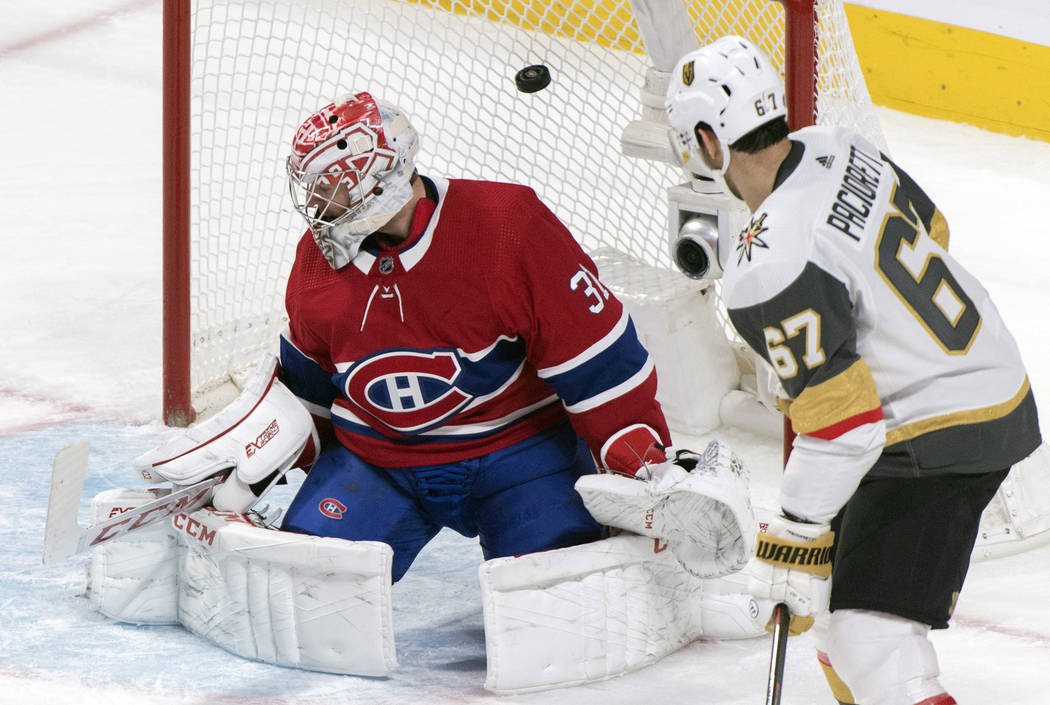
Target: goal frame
column 177, row 403
column 800, row 60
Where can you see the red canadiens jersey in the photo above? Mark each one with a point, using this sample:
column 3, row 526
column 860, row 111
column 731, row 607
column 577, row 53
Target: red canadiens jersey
column 488, row 325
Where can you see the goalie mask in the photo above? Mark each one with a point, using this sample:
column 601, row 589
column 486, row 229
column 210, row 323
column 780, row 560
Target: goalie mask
column 350, row 172
column 730, row 85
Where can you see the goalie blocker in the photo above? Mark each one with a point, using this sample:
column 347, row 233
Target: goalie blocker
column 261, row 435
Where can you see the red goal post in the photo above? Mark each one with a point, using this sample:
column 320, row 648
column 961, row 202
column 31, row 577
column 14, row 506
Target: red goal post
column 240, row 75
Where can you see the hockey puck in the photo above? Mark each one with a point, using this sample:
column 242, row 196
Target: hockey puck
column 532, row 78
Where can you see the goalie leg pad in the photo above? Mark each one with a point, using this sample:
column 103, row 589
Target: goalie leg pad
column 597, row 610
column 316, row 603
column 311, row 602
column 133, row 578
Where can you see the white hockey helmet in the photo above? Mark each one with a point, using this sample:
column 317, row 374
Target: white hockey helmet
column 350, row 171
column 730, row 85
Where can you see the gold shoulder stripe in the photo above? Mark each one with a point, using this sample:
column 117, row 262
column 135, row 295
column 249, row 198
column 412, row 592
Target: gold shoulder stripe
column 958, row 418
column 848, row 394
column 939, row 228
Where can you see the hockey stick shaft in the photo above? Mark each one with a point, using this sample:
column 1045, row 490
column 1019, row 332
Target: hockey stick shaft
column 781, row 621
column 63, row 536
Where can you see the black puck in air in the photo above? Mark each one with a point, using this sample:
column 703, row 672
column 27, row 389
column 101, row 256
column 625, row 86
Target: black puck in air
column 533, row 78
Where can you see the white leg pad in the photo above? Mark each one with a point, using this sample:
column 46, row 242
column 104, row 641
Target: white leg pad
column 316, row 603
column 884, row 659
column 134, row 578
column 311, row 602
column 590, row 612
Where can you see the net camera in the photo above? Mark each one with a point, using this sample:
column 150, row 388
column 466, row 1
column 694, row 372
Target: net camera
column 696, row 250
column 699, row 216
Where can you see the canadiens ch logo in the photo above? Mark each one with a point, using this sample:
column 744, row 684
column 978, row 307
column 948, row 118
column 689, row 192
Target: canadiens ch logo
column 409, row 391
column 331, row 508
column 749, row 238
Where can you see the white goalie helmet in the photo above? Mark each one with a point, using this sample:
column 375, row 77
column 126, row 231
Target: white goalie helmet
column 730, row 85
column 350, row 172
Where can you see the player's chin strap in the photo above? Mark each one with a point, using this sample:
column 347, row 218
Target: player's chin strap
column 699, row 503
column 261, row 435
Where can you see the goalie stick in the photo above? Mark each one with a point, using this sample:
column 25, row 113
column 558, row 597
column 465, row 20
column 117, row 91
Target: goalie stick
column 63, row 536
column 777, row 655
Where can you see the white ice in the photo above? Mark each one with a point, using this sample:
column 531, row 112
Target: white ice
column 80, row 228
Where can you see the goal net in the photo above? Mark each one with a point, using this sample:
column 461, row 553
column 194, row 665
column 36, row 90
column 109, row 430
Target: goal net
column 242, row 75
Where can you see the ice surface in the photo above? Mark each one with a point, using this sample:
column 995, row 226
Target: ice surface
column 80, row 228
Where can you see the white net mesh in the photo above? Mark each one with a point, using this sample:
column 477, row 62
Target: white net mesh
column 258, row 68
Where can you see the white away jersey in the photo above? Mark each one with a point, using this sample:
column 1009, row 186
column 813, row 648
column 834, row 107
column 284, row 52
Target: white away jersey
column 843, row 282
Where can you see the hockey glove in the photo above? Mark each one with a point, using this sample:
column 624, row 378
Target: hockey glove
column 699, row 503
column 793, row 566
column 632, row 449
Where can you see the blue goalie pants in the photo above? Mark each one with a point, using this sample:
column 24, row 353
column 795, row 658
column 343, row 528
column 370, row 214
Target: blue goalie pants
column 517, row 500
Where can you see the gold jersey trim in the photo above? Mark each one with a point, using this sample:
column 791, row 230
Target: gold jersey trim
column 958, row 418
column 848, row 394
column 939, row 229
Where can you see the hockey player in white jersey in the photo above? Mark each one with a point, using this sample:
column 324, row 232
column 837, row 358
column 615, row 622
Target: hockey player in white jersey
column 905, row 389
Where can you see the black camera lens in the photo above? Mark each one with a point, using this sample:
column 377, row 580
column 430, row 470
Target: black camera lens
column 691, row 258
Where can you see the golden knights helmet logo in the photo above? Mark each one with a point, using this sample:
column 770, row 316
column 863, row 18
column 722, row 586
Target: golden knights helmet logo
column 688, row 73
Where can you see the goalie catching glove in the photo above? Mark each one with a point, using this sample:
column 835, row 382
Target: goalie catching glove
column 264, row 433
column 699, row 503
column 794, row 567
